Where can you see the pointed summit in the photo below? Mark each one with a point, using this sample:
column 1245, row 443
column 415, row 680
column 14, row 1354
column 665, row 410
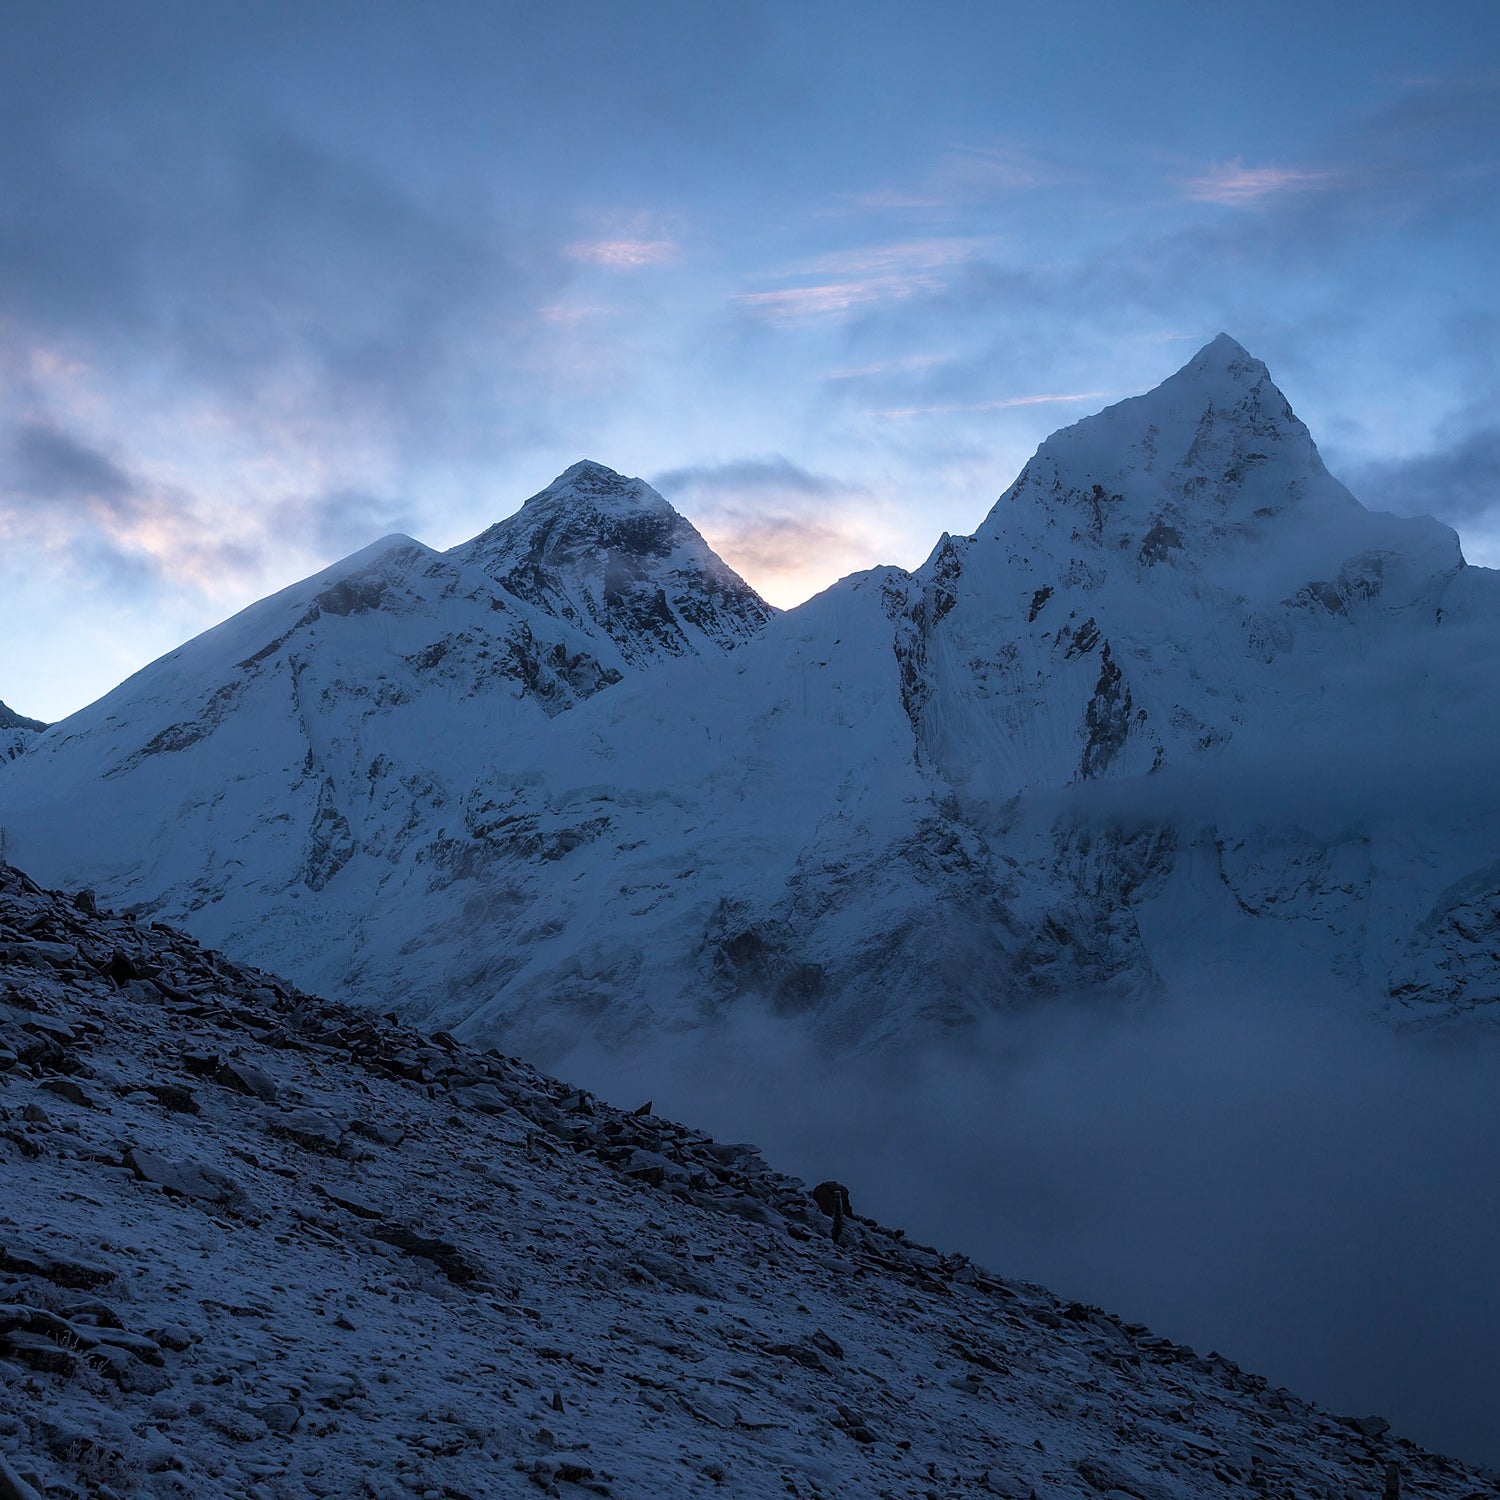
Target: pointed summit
column 1215, row 448
column 1223, row 352
column 601, row 487
column 603, row 551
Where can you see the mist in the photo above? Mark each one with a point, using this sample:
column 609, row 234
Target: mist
column 1312, row 1194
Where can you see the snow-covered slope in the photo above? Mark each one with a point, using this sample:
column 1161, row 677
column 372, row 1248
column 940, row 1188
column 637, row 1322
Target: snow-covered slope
column 1181, row 714
column 255, row 1244
column 16, row 732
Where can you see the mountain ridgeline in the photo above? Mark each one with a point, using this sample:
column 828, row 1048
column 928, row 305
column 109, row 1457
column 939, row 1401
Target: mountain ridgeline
column 1181, row 714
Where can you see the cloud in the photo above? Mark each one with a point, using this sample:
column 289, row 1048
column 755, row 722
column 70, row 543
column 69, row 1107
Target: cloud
column 1457, row 484
column 625, row 255
column 842, row 281
column 50, row 465
column 1236, row 185
column 110, row 520
column 789, row 531
column 1254, row 1173
column 746, row 476
column 967, row 176
column 311, row 298
column 1003, row 403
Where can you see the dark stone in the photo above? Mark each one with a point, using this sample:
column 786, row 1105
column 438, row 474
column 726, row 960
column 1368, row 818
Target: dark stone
column 281, row 1416
column 832, row 1199
column 827, row 1345
column 246, row 1079
column 446, row 1257
column 186, row 1179
column 120, row 970
column 174, row 1097
column 66, row 1088
column 60, row 1270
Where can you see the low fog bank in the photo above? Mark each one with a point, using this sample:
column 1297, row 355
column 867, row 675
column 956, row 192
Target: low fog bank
column 1313, row 1195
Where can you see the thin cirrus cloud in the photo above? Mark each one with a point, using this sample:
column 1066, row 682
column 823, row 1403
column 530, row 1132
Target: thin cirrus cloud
column 844, row 281
column 625, row 254
column 965, row 177
column 1003, row 403
column 1235, row 185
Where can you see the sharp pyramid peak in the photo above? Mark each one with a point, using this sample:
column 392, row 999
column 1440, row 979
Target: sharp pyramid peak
column 1216, row 440
column 1223, row 361
column 602, row 486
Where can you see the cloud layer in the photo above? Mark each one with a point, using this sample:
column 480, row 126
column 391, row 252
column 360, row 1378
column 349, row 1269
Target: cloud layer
column 1256, row 1174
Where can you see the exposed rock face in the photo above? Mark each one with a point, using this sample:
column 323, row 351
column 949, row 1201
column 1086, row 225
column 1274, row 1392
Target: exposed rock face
column 10, row 719
column 607, row 553
column 1181, row 713
column 16, row 732
column 378, row 1262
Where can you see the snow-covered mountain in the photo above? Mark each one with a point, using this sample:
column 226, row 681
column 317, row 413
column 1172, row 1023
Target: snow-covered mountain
column 1182, row 714
column 16, row 732
column 255, row 1244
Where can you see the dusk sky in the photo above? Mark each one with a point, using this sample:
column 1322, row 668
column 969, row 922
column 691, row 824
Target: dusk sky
column 276, row 280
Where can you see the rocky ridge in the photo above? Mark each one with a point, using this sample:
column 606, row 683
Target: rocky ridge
column 254, row 1243
column 16, row 732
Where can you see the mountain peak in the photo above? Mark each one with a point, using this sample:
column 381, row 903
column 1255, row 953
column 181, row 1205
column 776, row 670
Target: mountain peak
column 1220, row 362
column 1214, row 449
column 604, row 551
column 602, row 487
column 1223, row 349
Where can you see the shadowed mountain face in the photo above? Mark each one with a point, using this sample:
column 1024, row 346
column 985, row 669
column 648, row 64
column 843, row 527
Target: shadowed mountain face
column 17, row 733
column 1181, row 714
column 10, row 719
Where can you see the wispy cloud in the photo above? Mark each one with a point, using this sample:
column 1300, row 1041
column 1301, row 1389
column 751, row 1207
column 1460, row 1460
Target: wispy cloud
column 1236, row 185
column 626, row 254
column 880, row 369
column 965, row 176
column 1003, row 403
column 844, row 280
column 746, row 475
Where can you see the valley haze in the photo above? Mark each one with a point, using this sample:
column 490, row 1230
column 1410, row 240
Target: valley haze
column 1116, row 891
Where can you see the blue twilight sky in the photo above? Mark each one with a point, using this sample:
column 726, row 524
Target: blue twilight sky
column 277, row 279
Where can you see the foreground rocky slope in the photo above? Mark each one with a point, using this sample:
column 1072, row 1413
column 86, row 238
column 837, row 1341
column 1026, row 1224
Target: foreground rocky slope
column 1181, row 717
column 255, row 1244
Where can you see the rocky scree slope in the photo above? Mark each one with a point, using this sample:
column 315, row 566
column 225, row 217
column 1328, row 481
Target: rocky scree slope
column 256, row 1244
column 1182, row 717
